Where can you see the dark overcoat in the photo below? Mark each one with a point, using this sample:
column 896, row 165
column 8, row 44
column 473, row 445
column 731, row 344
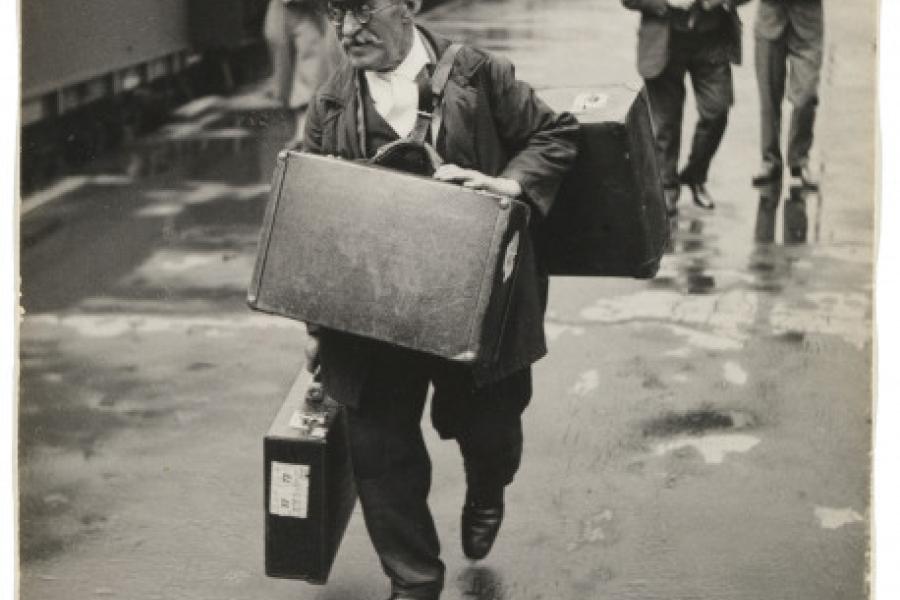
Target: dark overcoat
column 654, row 35
column 492, row 123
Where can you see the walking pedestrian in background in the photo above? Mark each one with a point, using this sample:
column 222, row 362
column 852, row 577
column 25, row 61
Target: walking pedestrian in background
column 304, row 52
column 703, row 39
column 788, row 48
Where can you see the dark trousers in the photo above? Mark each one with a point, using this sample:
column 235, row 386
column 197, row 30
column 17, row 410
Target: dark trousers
column 773, row 58
column 391, row 463
column 705, row 58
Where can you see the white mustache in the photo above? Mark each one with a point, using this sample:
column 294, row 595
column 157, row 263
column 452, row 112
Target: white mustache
column 361, row 38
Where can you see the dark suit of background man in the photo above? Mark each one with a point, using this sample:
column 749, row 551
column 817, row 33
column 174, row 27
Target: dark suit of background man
column 495, row 135
column 677, row 37
column 788, row 32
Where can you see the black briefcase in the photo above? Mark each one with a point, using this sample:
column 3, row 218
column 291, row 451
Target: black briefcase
column 610, row 215
column 386, row 255
column 309, row 491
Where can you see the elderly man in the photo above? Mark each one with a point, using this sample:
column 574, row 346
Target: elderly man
column 677, row 37
column 788, row 32
column 493, row 134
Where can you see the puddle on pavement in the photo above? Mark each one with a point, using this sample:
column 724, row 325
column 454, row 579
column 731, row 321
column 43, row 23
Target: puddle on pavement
column 846, row 315
column 481, row 583
column 73, row 409
column 713, row 448
column 67, row 412
column 712, row 433
column 698, row 422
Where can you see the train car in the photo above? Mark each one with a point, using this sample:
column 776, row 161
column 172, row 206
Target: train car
column 95, row 71
column 75, row 53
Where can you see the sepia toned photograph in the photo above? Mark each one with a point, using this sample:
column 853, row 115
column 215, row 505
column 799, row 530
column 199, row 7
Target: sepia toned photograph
column 446, row 299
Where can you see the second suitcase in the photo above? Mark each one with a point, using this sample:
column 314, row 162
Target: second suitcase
column 609, row 217
column 309, row 490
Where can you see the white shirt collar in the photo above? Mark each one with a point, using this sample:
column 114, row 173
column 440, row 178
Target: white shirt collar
column 395, row 93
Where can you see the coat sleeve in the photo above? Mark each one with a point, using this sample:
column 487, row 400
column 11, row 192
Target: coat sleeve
column 312, row 134
column 655, row 7
column 542, row 144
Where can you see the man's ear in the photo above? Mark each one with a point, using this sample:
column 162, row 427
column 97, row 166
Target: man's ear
column 412, row 7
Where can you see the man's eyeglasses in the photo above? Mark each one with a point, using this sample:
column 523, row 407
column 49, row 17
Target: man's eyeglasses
column 362, row 13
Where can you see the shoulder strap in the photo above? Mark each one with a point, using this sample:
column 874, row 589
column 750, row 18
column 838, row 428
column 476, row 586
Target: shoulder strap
column 442, row 70
column 438, row 83
column 431, row 91
column 424, row 115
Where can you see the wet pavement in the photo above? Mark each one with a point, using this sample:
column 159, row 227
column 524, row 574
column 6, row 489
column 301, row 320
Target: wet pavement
column 705, row 434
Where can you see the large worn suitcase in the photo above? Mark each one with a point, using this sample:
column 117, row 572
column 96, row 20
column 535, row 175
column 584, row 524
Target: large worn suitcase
column 610, row 215
column 309, row 491
column 386, row 255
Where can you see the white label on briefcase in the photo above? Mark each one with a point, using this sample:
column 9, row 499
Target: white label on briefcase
column 289, row 493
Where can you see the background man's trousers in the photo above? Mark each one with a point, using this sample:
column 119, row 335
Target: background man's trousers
column 797, row 51
column 705, row 57
column 392, row 467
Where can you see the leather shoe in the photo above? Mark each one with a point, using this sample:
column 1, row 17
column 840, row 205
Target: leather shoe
column 702, row 198
column 767, row 175
column 803, row 177
column 479, row 526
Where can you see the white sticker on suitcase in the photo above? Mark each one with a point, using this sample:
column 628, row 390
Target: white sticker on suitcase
column 289, row 492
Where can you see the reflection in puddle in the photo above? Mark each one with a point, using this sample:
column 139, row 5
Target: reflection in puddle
column 715, row 322
column 713, row 448
column 846, row 315
column 698, row 281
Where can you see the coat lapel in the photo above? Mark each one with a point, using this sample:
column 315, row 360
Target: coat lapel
column 340, row 97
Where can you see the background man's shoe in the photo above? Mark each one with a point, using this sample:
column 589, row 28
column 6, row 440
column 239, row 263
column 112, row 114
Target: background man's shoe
column 702, row 198
column 479, row 527
column 803, row 177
